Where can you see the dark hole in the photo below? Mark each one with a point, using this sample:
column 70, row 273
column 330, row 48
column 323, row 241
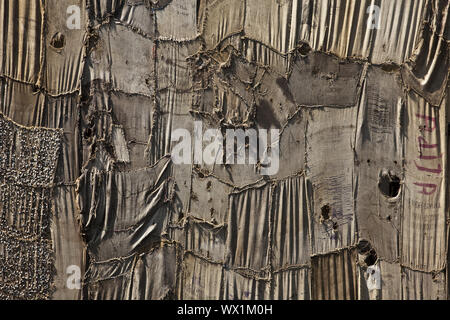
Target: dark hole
column 304, row 49
column 335, row 226
column 326, row 212
column 388, row 218
column 58, row 41
column 389, row 185
column 371, row 258
column 363, row 246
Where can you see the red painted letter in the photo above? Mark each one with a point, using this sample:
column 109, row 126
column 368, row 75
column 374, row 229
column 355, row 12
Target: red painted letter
column 430, row 120
column 425, row 186
column 424, row 144
column 437, row 171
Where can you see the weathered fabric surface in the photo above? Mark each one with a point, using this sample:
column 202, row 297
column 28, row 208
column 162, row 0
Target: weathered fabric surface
column 358, row 207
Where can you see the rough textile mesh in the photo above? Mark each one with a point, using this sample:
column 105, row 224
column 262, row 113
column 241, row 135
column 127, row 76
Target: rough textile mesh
column 27, row 167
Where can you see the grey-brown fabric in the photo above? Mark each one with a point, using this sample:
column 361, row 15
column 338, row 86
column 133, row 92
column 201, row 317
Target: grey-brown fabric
column 357, row 210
